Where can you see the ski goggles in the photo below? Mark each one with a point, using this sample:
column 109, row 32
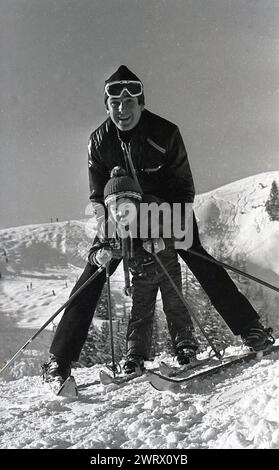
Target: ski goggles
column 115, row 89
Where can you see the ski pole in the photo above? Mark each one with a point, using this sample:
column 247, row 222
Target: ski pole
column 236, row 270
column 190, row 309
column 128, row 290
column 114, row 368
column 66, row 304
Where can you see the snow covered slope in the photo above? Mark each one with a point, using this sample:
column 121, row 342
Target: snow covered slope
column 237, row 409
column 44, row 262
column 238, row 219
column 43, row 246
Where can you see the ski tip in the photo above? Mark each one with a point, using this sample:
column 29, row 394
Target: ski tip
column 154, row 386
column 162, row 385
column 165, row 369
column 105, row 378
column 69, row 388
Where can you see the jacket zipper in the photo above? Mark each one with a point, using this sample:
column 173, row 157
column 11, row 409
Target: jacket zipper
column 128, row 160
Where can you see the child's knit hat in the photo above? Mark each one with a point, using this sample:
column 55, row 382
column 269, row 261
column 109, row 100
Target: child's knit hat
column 121, row 185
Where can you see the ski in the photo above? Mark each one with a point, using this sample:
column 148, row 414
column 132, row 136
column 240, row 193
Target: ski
column 184, row 371
column 164, row 383
column 67, row 389
column 174, row 371
column 164, row 370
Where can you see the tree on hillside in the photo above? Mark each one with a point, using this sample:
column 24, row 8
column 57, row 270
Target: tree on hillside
column 155, row 342
column 102, row 306
column 90, row 351
column 272, row 204
column 97, row 347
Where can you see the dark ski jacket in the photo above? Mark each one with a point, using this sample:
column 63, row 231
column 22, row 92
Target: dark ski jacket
column 158, row 154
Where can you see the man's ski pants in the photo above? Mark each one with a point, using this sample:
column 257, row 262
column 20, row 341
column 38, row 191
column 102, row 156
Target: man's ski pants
column 233, row 306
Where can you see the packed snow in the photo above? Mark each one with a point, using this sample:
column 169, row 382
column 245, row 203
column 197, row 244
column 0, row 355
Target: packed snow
column 235, row 409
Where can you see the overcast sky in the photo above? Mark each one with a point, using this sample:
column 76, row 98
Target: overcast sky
column 211, row 66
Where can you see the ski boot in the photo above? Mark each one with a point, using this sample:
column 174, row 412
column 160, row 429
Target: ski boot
column 186, row 351
column 134, row 364
column 256, row 337
column 56, row 370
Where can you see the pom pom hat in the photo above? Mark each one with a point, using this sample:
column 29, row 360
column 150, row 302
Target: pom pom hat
column 121, row 185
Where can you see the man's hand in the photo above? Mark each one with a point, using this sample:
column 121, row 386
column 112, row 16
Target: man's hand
column 154, row 245
column 103, row 256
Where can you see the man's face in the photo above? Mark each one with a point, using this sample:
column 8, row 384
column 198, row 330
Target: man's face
column 125, row 111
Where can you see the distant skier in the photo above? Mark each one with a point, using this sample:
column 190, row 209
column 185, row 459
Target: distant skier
column 151, row 149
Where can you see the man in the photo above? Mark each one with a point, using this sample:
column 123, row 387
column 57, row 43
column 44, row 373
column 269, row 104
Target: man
column 152, row 151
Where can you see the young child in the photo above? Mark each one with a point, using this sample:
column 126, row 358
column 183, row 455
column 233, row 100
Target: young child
column 123, row 197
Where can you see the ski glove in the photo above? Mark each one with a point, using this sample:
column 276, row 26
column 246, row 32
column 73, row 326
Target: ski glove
column 154, row 246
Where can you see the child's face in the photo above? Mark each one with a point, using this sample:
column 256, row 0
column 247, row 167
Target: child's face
column 123, row 211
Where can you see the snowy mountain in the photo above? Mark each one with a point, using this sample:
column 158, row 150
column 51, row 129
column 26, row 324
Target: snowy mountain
column 237, row 409
column 233, row 216
column 239, row 221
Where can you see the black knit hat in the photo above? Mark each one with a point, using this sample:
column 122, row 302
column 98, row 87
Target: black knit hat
column 121, row 185
column 123, row 73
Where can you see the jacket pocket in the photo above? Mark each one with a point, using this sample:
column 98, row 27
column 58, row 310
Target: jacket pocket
column 152, row 170
column 154, row 158
column 156, row 146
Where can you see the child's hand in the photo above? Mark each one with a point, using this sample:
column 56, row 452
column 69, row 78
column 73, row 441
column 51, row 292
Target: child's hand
column 103, row 256
column 154, row 245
